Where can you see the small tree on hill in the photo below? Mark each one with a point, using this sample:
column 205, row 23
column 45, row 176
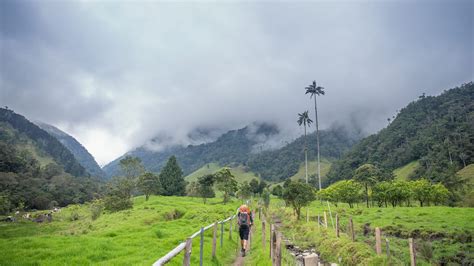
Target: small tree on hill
column 266, row 198
column 205, row 187
column 171, row 179
column 277, row 190
column 367, row 175
column 131, row 167
column 422, row 191
column 148, row 183
column 226, row 183
column 298, row 195
column 245, row 190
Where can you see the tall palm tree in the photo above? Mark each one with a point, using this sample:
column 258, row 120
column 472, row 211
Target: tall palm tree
column 315, row 91
column 303, row 119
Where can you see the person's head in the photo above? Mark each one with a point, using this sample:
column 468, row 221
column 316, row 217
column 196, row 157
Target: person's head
column 244, row 208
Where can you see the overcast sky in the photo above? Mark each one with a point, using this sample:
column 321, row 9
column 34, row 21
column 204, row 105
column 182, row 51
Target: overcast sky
column 114, row 74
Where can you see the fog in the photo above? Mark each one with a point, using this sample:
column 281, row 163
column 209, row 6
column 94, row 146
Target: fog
column 117, row 74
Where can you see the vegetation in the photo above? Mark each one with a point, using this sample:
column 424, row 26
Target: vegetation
column 441, row 231
column 303, row 119
column 80, row 153
column 138, row 236
column 315, row 91
column 171, row 179
column 435, row 131
column 226, row 183
column 298, row 195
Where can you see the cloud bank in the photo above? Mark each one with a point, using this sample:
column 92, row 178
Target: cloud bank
column 117, row 74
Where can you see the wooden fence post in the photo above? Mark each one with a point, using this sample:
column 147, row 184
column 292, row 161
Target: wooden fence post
column 230, row 229
column 260, row 213
column 272, row 231
column 222, row 234
column 263, row 236
column 278, row 250
column 388, row 247
column 214, row 240
column 351, row 225
column 201, row 247
column 325, row 220
column 249, row 242
column 187, row 252
column 378, row 241
column 337, row 225
column 412, row 252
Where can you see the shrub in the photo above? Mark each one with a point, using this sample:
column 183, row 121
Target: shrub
column 96, row 210
column 115, row 203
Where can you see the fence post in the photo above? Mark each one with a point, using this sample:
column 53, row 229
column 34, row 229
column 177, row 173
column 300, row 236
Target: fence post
column 378, row 241
column 278, row 250
column 337, row 225
column 319, row 221
column 351, row 225
column 250, row 239
column 263, row 236
column 388, row 247
column 201, row 246
column 412, row 252
column 187, row 252
column 272, row 230
column 214, row 240
column 259, row 213
column 325, row 220
column 222, row 234
column 230, row 229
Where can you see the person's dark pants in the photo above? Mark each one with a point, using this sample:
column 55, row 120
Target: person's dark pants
column 244, row 232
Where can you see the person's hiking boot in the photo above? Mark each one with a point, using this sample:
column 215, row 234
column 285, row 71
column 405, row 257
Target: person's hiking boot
column 243, row 252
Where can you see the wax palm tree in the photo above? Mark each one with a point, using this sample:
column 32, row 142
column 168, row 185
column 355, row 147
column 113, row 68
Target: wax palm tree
column 314, row 90
column 303, row 119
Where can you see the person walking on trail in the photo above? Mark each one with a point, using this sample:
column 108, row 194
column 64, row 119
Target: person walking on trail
column 245, row 221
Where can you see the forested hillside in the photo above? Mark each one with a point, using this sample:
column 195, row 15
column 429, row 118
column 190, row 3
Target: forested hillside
column 80, row 153
column 232, row 147
column 283, row 163
column 436, row 131
column 36, row 170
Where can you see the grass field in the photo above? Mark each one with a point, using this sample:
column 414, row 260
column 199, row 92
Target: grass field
column 312, row 169
column 402, row 173
column 133, row 237
column 442, row 234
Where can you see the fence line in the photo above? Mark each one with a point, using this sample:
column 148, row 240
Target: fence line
column 188, row 244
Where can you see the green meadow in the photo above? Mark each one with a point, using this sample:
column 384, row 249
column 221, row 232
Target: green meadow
column 442, row 234
column 138, row 236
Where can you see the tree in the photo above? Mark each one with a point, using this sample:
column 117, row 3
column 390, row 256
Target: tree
column 367, row 175
column 118, row 195
column 148, row 183
column 440, row 194
column 131, row 167
column 347, row 191
column 303, row 119
column 298, row 195
column 314, row 91
column 422, row 191
column 266, row 198
column 277, row 190
column 254, row 186
column 226, row 183
column 171, row 179
column 245, row 190
column 205, row 187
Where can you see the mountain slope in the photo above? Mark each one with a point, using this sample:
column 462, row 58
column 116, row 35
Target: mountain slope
column 232, row 147
column 43, row 141
column 80, row 153
column 280, row 164
column 436, row 131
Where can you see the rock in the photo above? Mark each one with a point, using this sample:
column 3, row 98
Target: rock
column 311, row 260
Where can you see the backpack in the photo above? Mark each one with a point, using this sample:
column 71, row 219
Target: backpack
column 244, row 219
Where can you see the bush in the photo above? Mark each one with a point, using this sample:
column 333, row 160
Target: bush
column 74, row 213
column 115, row 203
column 96, row 210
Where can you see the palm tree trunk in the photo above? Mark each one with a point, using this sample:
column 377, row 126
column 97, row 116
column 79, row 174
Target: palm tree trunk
column 317, row 140
column 305, row 155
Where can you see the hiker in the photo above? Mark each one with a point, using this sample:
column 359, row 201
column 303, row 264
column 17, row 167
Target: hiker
column 245, row 221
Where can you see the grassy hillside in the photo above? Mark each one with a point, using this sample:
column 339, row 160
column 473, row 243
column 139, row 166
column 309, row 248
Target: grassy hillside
column 312, row 170
column 467, row 174
column 404, row 172
column 240, row 173
column 134, row 237
column 442, row 234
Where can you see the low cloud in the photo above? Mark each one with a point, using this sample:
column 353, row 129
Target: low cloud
column 117, row 75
